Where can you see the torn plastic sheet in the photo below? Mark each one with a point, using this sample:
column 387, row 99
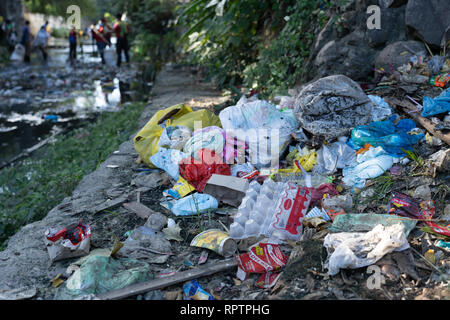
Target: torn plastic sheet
column 337, row 155
column 356, row 250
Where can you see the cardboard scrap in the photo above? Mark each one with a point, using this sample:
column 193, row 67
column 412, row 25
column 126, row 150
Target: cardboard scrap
column 227, row 189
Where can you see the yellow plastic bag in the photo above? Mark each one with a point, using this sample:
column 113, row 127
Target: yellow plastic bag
column 307, row 159
column 146, row 140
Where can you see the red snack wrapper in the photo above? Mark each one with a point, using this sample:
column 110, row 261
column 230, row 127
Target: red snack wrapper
column 261, row 258
column 268, row 280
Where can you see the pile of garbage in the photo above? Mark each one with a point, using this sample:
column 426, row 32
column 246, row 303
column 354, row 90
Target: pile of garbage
column 282, row 174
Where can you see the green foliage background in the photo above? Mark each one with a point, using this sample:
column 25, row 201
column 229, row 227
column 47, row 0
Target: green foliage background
column 260, row 44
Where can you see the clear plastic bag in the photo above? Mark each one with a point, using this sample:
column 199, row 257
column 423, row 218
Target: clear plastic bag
column 174, row 137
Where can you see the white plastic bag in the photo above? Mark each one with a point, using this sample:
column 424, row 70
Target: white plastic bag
column 174, row 137
column 335, row 156
column 356, row 250
column 381, row 110
column 18, row 53
column 266, row 129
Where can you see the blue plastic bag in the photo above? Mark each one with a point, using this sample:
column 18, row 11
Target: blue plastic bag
column 194, row 204
column 440, row 104
column 386, row 135
column 371, row 164
column 167, row 160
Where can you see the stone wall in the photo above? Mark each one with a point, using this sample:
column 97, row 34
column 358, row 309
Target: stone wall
column 346, row 45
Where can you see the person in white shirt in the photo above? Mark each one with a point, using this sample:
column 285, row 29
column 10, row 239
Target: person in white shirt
column 41, row 41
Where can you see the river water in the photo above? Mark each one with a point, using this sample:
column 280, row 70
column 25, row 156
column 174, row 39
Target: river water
column 41, row 99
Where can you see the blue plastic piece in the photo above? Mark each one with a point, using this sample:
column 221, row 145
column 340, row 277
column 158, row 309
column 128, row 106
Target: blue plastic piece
column 193, row 291
column 438, row 105
column 386, row 135
column 194, row 204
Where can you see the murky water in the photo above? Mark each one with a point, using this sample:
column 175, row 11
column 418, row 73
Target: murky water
column 39, row 99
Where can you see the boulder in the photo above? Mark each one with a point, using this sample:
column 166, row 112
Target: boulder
column 398, row 54
column 350, row 56
column 330, row 107
column 392, row 28
column 429, row 19
column 392, row 3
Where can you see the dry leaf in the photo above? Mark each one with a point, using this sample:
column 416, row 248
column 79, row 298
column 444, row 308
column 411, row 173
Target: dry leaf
column 56, row 282
column 117, row 245
column 173, row 295
column 173, row 233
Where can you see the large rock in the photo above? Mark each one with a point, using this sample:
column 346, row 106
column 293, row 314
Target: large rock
column 346, row 46
column 392, row 28
column 392, row 3
column 429, row 19
column 398, row 54
column 350, row 56
column 332, row 106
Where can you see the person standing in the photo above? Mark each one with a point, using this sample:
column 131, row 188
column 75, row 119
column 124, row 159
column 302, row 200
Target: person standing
column 41, row 41
column 100, row 39
column 121, row 29
column 26, row 41
column 47, row 27
column 107, row 30
column 73, row 44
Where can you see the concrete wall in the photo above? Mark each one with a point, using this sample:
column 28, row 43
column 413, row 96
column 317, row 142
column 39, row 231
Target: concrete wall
column 38, row 19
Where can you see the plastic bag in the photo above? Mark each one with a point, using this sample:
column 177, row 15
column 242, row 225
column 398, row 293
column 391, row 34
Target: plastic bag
column 381, row 110
column 198, row 172
column 100, row 274
column 194, row 204
column 370, row 165
column 392, row 138
column 18, row 53
column 211, row 138
column 435, row 64
column 363, row 222
column 266, row 129
column 174, row 137
column 357, row 250
column 438, row 105
column 146, row 140
column 168, row 160
column 335, row 156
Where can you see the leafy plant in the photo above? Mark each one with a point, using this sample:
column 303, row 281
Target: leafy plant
column 262, row 45
column 414, row 157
